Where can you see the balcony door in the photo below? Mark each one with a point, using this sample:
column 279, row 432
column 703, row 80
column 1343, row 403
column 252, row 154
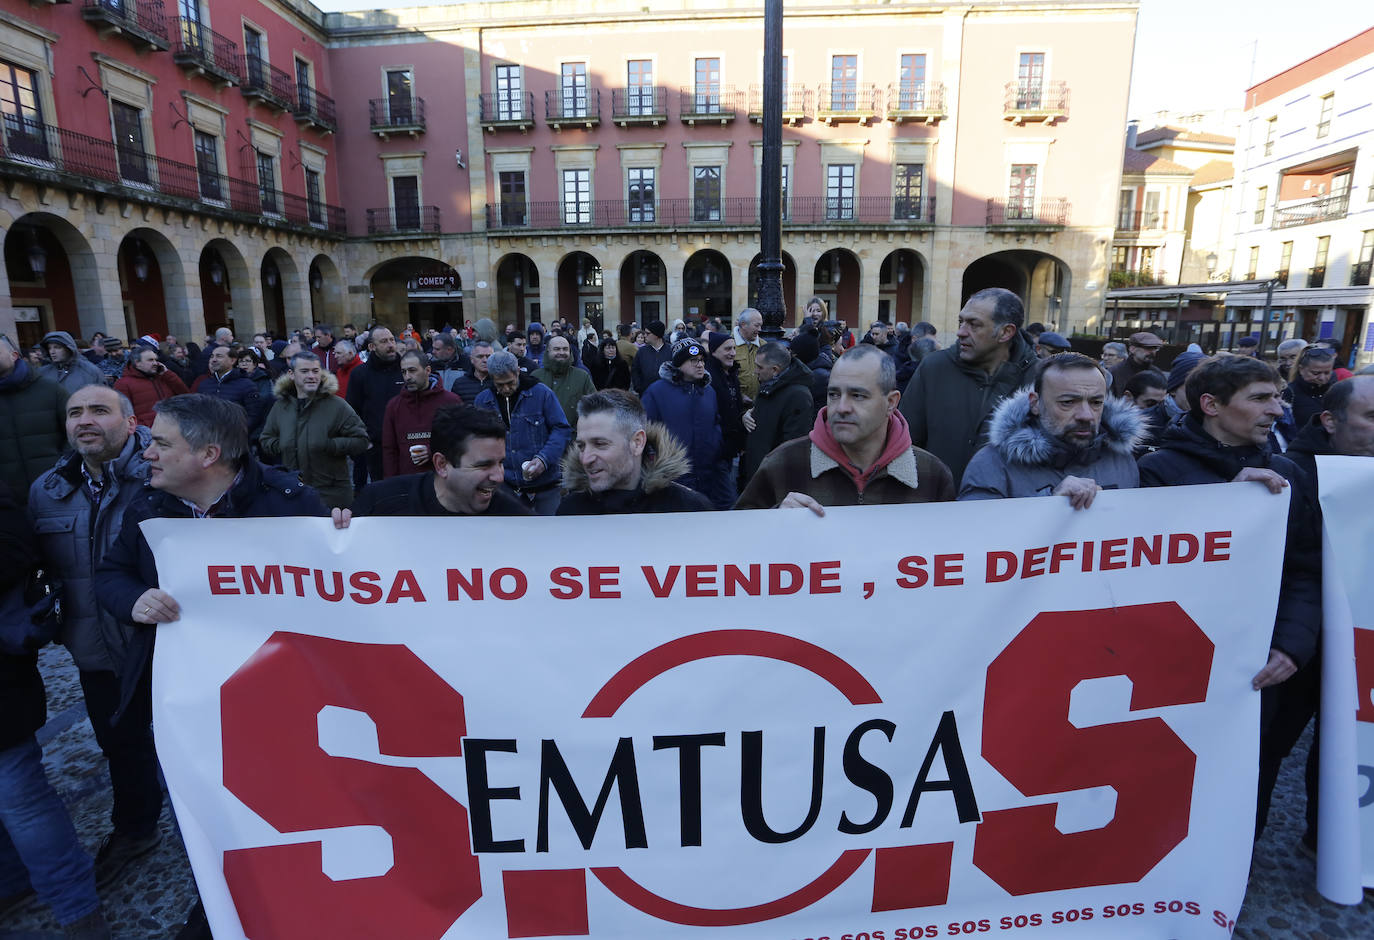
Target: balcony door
column 22, row 112
column 400, row 98
column 405, row 197
column 1021, row 192
column 1030, row 81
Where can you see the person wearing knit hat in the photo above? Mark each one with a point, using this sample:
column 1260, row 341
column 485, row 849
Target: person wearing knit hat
column 682, row 399
column 1175, row 403
column 644, row 370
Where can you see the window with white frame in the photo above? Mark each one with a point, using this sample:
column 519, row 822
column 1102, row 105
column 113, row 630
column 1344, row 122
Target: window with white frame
column 1328, row 106
column 639, row 87
column 510, row 97
column 572, row 86
column 839, row 191
column 640, row 193
column 577, row 197
column 906, row 196
column 706, row 194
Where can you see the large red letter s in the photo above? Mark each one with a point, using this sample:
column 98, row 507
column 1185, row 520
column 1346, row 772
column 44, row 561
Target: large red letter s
column 274, row 764
column 1027, row 736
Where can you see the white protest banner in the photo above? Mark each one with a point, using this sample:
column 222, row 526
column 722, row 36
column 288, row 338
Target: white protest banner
column 1345, row 821
column 889, row 723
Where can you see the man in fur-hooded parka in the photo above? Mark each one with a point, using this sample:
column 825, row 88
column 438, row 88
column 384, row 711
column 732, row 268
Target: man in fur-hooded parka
column 1065, row 425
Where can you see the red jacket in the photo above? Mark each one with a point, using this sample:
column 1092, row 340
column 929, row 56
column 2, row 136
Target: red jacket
column 145, row 391
column 409, row 416
column 343, row 372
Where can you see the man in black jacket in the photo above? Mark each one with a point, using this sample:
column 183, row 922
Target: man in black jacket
column 1233, row 402
column 655, row 352
column 370, row 387
column 783, row 409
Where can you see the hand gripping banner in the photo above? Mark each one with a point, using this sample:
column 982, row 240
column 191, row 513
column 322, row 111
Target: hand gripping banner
column 890, row 723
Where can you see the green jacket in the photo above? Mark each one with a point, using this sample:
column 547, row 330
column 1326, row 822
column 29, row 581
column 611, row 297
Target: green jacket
column 315, row 437
column 33, row 426
column 948, row 404
column 567, row 388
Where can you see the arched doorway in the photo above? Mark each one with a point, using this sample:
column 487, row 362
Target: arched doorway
column 901, row 287
column 326, row 291
column 837, row 283
column 273, row 297
column 141, row 287
column 44, row 258
column 1041, row 280
column 580, row 293
column 791, row 315
column 643, row 289
column 706, row 287
column 517, row 289
column 223, row 274
column 423, row 292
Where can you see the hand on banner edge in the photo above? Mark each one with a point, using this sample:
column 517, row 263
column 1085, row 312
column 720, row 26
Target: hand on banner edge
column 1279, row 668
column 341, row 517
column 1272, row 481
column 155, row 606
column 1081, row 491
column 801, row 501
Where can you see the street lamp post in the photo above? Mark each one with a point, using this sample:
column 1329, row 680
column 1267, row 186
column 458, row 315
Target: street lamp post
column 770, row 302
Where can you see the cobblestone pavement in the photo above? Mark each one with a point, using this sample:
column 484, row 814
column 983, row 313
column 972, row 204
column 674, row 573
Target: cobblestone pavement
column 158, row 890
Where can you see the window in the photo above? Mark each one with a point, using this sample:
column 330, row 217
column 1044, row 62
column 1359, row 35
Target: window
column 1317, row 276
column 907, row 191
column 1152, row 218
column 1359, row 274
column 1271, row 133
column 641, row 194
column 253, row 57
column 207, row 166
column 305, row 92
column 782, row 190
column 1125, row 211
column 405, row 199
column 128, row 131
column 573, row 89
column 1285, row 261
column 577, row 197
column 639, row 87
column 706, row 194
column 1261, row 198
column 267, row 182
column 1254, row 263
column 844, row 82
column 1147, row 261
column 1021, row 192
column 314, row 203
column 22, row 112
column 1120, row 258
column 512, row 184
column 911, row 91
column 1323, row 248
column 1030, row 81
column 400, row 96
column 707, row 86
column 510, row 97
column 839, row 191
column 191, row 24
column 1328, row 104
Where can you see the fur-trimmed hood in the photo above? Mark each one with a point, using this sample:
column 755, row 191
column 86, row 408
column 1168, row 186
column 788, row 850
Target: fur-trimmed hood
column 285, row 389
column 663, row 461
column 1020, row 438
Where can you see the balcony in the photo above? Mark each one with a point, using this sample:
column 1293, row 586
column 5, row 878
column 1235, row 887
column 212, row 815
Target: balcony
column 315, row 108
column 1315, row 210
column 1003, row 213
column 714, row 104
column 837, row 103
column 740, row 212
column 202, row 51
column 506, row 111
column 921, row 101
column 403, row 220
column 396, row 115
column 1036, row 101
column 796, row 104
column 640, row 104
column 1359, row 274
column 263, row 81
column 51, row 155
column 1281, row 275
column 566, row 109
column 1316, row 276
column 1142, row 221
column 139, row 21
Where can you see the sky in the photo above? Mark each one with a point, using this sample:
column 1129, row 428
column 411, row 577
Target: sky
column 1191, row 55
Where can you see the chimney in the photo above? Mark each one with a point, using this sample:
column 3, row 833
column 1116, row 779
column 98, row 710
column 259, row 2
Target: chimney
column 1132, row 128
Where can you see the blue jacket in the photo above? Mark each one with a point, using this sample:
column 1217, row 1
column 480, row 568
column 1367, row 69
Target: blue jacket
column 236, row 386
column 688, row 409
column 128, row 568
column 537, row 427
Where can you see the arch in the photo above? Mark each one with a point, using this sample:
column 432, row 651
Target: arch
column 517, row 288
column 791, row 315
column 1040, row 279
column 67, row 291
column 837, row 279
column 424, row 292
column 580, row 288
column 224, row 275
column 901, row 287
column 706, row 283
column 326, row 290
column 643, row 288
column 280, row 280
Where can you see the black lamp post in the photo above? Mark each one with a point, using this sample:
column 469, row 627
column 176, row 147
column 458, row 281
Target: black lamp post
column 770, row 190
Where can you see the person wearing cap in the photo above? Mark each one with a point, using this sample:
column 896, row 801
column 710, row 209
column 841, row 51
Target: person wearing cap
column 1051, row 344
column 1141, row 349
column 111, row 360
column 1248, row 346
column 645, row 368
column 1174, row 405
column 682, row 400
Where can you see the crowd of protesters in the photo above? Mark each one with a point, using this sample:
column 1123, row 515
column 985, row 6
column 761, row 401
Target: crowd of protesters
column 565, row 419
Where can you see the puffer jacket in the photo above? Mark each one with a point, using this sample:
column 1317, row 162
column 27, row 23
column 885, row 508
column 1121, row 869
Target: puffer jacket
column 236, row 386
column 145, row 391
column 33, row 427
column 315, row 437
column 782, row 412
column 77, row 371
column 537, row 426
column 1021, row 459
column 662, row 464
column 74, row 536
column 688, row 410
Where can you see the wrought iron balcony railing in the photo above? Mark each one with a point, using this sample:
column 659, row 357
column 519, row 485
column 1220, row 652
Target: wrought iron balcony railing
column 916, row 101
column 1048, row 211
column 1359, row 274
column 1142, row 221
column 639, row 104
column 267, row 83
column 142, row 22
column 847, row 102
column 1315, row 210
column 796, row 103
column 398, row 220
column 708, row 103
column 200, row 49
column 505, row 110
column 1035, row 101
column 686, row 211
column 572, row 107
column 1316, row 276
column 315, row 107
column 396, row 115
